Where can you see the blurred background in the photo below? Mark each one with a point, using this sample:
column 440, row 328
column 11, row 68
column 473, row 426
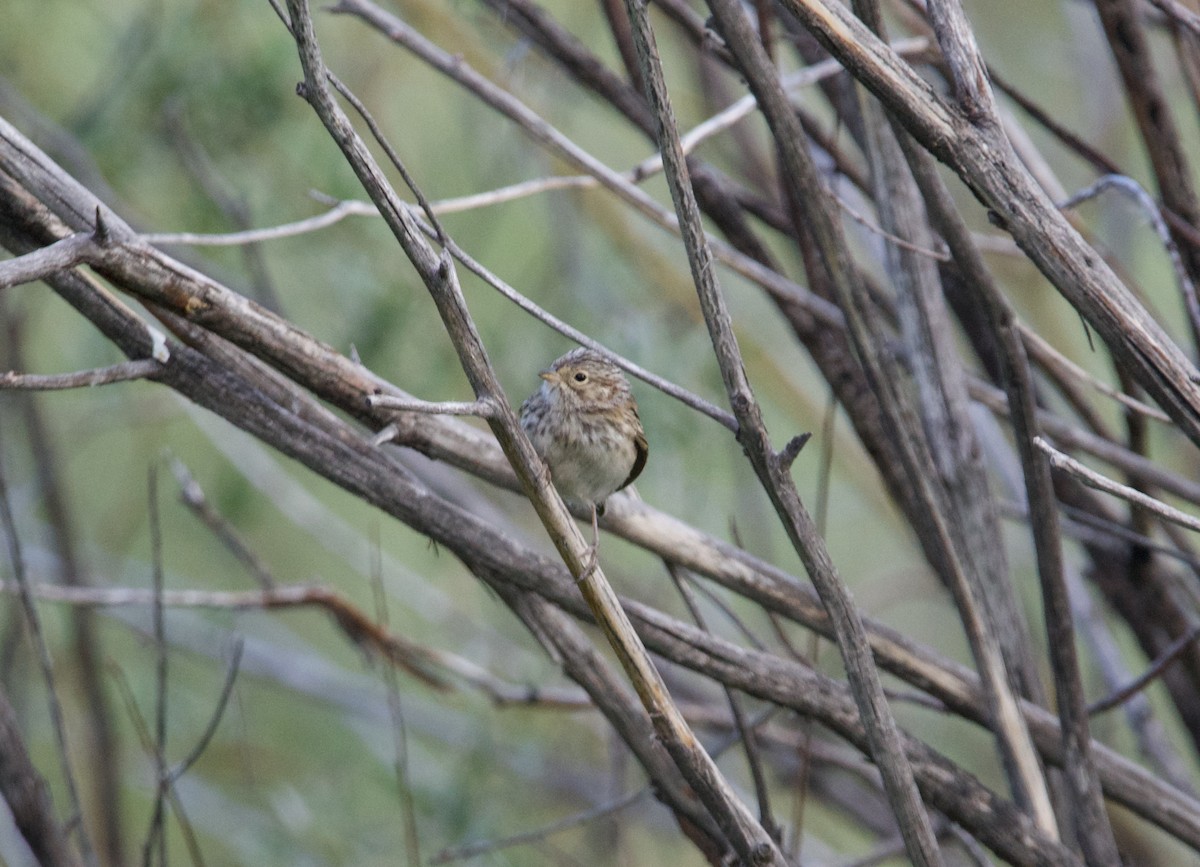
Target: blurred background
column 183, row 117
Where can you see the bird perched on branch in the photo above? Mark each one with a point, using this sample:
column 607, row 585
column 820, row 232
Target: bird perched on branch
column 583, row 421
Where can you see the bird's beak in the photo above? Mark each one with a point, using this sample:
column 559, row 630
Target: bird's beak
column 548, row 375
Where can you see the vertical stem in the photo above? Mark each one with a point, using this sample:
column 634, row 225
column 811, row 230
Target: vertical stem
column 883, row 733
column 1091, row 821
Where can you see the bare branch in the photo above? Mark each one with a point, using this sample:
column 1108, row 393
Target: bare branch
column 181, row 768
column 487, row 847
column 791, row 451
column 1093, row 479
column 1046, row 355
column 482, row 408
column 1133, row 190
column 158, row 745
column 985, row 161
column 1170, row 655
column 193, row 497
column 124, row 372
column 59, row 256
column 412, row 840
column 555, row 142
column 36, row 805
column 28, row 797
column 336, row 213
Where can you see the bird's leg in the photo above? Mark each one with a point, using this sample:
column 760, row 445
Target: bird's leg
column 593, row 549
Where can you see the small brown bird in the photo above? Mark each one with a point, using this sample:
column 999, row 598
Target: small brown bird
column 584, row 423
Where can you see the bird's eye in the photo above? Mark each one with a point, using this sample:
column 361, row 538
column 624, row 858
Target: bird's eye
column 581, row 377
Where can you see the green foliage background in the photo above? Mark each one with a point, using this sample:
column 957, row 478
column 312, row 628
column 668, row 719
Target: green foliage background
column 301, row 771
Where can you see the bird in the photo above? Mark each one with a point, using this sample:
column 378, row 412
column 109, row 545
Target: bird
column 583, row 422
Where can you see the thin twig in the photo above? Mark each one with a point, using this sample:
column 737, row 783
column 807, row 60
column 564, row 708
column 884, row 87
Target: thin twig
column 45, row 662
column 1147, row 677
column 939, row 255
column 192, row 496
column 1099, row 525
column 157, row 833
column 392, row 156
column 1044, row 117
column 542, row 132
column 123, row 372
column 514, row 192
column 488, row 847
column 805, row 747
column 412, row 840
column 337, row 212
column 214, row 720
column 970, row 846
column 1048, row 356
column 1145, row 202
column 1156, row 747
column 681, row 580
column 418, row 661
column 482, row 408
column 748, row 634
column 1093, row 479
column 147, row 742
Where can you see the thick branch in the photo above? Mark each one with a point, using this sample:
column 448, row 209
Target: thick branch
column 983, row 157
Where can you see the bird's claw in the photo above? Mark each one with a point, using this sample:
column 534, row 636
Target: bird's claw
column 590, row 564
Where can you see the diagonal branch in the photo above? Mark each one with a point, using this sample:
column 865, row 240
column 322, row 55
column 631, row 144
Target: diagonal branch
column 978, row 151
column 882, row 731
column 439, row 276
